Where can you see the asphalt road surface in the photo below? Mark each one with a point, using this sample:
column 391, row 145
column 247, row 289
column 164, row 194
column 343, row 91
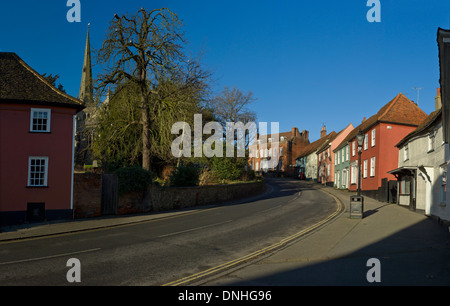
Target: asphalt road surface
column 165, row 250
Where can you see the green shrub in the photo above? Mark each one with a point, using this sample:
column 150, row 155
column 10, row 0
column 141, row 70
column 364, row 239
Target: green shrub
column 133, row 179
column 250, row 175
column 226, row 168
column 185, row 176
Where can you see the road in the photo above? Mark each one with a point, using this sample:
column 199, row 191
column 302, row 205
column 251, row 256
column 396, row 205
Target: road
column 165, row 250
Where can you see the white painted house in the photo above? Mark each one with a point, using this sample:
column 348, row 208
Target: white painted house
column 423, row 166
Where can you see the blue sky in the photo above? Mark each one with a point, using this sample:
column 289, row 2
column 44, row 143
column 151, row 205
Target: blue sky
column 307, row 62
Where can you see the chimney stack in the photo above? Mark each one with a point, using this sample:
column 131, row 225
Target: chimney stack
column 305, row 134
column 295, row 132
column 323, row 133
column 437, row 100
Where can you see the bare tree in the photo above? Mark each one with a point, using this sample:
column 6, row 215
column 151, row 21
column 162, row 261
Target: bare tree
column 232, row 105
column 145, row 49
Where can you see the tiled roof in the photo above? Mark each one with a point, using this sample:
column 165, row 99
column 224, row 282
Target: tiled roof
column 343, row 142
column 19, row 83
column 312, row 147
column 431, row 119
column 399, row 110
column 331, row 139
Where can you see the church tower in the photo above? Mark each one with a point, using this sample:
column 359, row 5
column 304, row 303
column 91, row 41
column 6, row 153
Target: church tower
column 85, row 119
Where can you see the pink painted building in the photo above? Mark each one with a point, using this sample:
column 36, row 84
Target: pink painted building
column 36, row 145
column 325, row 156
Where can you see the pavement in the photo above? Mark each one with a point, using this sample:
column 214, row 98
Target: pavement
column 390, row 245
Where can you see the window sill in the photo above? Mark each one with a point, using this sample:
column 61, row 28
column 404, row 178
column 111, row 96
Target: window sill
column 39, row 187
column 39, row 132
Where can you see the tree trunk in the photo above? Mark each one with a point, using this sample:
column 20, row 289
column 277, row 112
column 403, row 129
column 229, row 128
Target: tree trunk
column 145, row 135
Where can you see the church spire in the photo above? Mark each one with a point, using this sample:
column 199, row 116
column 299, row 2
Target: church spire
column 86, row 88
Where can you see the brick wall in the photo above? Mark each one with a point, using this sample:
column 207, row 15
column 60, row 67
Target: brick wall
column 183, row 197
column 87, row 195
column 88, row 190
column 134, row 203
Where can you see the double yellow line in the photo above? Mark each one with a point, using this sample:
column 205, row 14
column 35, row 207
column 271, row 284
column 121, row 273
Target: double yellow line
column 227, row 265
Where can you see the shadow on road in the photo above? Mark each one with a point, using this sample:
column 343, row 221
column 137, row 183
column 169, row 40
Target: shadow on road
column 415, row 256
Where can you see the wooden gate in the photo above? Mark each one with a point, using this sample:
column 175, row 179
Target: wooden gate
column 110, row 191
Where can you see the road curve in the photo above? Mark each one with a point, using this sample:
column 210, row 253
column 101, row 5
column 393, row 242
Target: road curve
column 176, row 250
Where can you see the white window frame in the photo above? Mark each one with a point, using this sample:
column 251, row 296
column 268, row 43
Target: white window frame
column 353, row 148
column 366, row 141
column 372, row 166
column 431, row 141
column 443, row 185
column 373, row 138
column 34, row 171
column 365, row 168
column 344, row 178
column 48, row 123
column 406, row 152
column 353, row 174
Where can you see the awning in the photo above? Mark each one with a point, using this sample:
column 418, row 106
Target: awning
column 404, row 170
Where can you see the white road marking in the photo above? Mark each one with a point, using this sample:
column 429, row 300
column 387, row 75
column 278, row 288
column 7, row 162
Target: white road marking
column 48, row 257
column 194, row 229
column 272, row 208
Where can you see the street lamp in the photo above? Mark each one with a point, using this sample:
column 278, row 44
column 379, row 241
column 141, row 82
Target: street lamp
column 360, row 140
column 357, row 202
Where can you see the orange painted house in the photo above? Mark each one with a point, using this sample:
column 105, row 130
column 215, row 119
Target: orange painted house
column 382, row 132
column 36, row 145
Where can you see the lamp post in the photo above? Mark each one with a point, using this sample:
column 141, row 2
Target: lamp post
column 357, row 202
column 360, row 140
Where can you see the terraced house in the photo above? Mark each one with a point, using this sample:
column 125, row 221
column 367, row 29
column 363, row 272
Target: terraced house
column 306, row 161
column 37, row 151
column 422, row 168
column 326, row 158
column 379, row 154
column 342, row 165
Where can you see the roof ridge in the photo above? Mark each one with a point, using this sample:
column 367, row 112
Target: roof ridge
column 392, row 102
column 41, row 78
column 431, row 119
